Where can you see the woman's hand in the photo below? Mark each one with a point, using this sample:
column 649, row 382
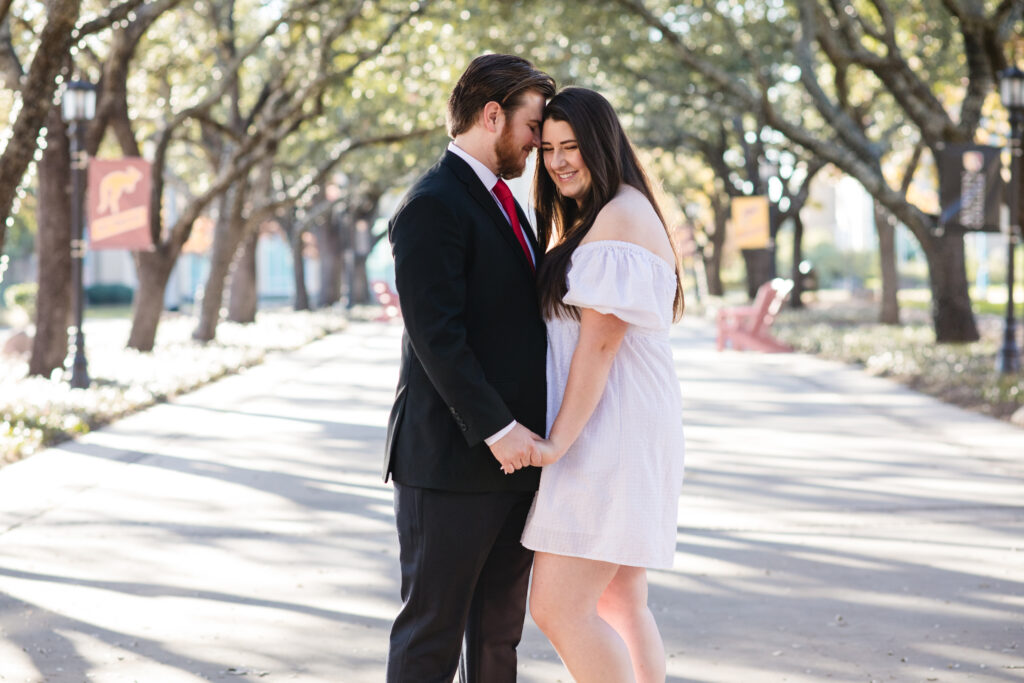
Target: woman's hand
column 545, row 452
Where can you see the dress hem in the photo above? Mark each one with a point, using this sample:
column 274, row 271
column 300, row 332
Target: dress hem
column 592, row 556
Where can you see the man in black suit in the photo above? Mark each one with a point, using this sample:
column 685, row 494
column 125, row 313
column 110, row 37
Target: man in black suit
column 471, row 392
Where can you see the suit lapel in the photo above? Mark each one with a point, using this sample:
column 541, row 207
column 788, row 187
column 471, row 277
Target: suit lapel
column 485, row 199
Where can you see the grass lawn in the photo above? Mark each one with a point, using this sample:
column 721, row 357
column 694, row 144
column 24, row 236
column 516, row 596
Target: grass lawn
column 108, row 312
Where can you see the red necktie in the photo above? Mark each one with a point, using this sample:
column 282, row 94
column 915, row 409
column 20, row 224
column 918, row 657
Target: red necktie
column 505, row 197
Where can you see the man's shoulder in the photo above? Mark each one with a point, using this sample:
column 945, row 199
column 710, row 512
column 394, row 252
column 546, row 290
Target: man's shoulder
column 438, row 180
column 439, row 188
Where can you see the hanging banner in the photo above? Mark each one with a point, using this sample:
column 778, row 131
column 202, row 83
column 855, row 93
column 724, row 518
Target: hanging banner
column 119, row 204
column 751, row 222
column 970, row 188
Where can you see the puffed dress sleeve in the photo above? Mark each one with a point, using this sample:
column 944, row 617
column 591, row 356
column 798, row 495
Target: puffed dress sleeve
column 623, row 279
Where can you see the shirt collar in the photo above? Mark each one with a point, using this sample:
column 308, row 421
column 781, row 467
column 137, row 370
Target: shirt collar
column 485, row 174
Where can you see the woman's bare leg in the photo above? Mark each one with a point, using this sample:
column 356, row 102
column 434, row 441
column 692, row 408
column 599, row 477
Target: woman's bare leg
column 624, row 606
column 563, row 602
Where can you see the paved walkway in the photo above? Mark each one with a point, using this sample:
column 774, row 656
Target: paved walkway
column 833, row 527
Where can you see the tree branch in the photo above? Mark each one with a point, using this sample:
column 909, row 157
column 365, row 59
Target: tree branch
column 798, row 199
column 112, row 104
column 845, row 126
column 732, row 85
column 10, row 66
column 326, row 167
column 36, row 100
column 911, row 168
column 113, row 15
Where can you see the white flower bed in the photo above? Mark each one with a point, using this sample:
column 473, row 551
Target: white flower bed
column 36, row 411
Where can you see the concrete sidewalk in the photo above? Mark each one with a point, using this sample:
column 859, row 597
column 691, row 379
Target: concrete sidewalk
column 833, row 526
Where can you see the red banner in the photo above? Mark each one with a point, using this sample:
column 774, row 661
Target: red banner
column 119, row 204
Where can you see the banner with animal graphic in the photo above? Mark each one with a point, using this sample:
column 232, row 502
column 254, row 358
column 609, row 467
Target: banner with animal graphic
column 119, row 204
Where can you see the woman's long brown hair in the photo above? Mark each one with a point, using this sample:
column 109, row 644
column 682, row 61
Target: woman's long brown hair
column 612, row 162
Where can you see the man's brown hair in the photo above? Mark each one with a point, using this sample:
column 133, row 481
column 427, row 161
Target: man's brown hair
column 498, row 78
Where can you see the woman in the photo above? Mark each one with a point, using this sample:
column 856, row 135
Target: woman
column 613, row 460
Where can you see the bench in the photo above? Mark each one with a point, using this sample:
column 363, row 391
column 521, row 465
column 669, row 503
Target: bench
column 748, row 328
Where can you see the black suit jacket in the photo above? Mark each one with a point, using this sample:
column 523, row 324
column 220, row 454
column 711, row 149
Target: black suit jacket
column 474, row 347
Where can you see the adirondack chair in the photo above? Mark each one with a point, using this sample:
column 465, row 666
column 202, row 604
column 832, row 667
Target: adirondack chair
column 387, row 298
column 749, row 327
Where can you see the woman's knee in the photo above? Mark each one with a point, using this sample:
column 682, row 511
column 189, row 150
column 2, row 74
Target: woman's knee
column 565, row 590
column 553, row 609
column 548, row 611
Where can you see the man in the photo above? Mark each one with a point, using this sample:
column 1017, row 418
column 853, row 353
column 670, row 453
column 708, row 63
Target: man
column 471, row 392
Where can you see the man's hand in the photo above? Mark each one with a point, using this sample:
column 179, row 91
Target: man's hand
column 514, row 450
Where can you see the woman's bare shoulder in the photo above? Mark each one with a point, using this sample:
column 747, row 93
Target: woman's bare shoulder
column 630, row 217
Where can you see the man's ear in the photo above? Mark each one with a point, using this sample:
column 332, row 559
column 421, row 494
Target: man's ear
column 493, row 116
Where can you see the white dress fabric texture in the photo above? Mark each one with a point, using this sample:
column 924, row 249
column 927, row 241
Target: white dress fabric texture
column 614, row 495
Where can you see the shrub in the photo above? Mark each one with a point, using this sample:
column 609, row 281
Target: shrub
column 22, row 296
column 961, row 374
column 105, row 294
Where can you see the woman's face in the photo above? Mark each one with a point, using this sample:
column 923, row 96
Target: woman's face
column 563, row 160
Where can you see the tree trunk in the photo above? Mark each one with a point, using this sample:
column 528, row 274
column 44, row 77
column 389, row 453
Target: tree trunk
column 53, row 247
column 796, row 297
column 154, row 270
column 889, row 313
column 759, row 268
column 299, row 271
column 329, row 245
column 244, row 298
column 951, row 303
column 360, row 293
column 713, row 256
column 361, row 244
column 225, row 244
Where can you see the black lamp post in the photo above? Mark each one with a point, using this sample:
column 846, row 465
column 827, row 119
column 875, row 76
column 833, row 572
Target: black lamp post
column 78, row 107
column 1011, row 90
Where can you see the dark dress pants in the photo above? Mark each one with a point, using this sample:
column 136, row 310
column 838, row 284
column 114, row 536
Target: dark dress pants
column 464, row 582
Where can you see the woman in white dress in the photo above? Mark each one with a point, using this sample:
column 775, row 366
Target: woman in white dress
column 613, row 459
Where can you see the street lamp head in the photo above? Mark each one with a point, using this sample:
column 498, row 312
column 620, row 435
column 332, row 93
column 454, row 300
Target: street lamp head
column 1011, row 88
column 78, row 103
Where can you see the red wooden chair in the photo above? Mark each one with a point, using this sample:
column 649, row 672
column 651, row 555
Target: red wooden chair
column 748, row 328
column 388, row 300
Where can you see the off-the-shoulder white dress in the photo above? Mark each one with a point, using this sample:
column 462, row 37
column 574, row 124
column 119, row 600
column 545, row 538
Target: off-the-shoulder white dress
column 614, row 495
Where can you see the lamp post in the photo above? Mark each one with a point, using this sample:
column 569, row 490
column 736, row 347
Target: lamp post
column 1011, row 91
column 78, row 107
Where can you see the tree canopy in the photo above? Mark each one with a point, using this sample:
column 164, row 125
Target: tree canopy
column 249, row 110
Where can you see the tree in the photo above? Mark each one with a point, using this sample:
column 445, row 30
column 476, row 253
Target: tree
column 339, row 49
column 35, row 87
column 854, row 66
column 35, row 94
column 54, row 299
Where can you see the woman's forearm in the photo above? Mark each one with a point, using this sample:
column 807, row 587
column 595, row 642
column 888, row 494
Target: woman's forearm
column 600, row 338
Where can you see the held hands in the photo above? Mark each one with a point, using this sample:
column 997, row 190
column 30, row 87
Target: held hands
column 514, row 450
column 521, row 448
column 545, row 452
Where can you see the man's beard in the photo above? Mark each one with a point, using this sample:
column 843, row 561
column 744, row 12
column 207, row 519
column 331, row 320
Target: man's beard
column 511, row 162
